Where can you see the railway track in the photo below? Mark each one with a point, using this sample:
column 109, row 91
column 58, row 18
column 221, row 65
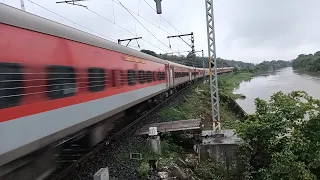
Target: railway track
column 73, row 154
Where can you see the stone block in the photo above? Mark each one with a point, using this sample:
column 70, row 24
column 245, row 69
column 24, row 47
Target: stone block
column 220, row 147
column 102, row 174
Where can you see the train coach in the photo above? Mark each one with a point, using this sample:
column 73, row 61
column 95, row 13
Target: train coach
column 56, row 80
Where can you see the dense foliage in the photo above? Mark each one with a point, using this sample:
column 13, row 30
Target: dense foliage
column 310, row 62
column 196, row 61
column 273, row 65
column 152, row 53
column 282, row 139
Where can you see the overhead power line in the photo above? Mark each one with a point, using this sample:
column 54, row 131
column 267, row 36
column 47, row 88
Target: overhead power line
column 142, row 24
column 137, row 14
column 95, row 32
column 145, row 19
column 122, row 28
column 106, row 37
column 162, row 17
column 92, row 11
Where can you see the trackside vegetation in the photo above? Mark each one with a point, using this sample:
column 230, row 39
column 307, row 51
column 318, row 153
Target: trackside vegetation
column 198, row 105
column 281, row 140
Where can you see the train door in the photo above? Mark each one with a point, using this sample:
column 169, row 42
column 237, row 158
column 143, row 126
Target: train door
column 168, row 75
column 171, row 76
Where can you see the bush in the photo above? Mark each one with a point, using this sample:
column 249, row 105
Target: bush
column 282, row 139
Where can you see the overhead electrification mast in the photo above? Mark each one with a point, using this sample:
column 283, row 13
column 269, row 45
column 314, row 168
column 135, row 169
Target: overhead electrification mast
column 212, row 62
column 213, row 66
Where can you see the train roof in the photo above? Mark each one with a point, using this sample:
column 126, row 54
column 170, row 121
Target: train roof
column 15, row 17
column 179, row 65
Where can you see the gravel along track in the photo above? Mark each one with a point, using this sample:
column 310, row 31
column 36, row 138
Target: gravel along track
column 116, row 154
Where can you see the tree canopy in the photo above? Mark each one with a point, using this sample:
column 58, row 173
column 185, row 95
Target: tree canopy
column 282, row 139
column 196, row 61
column 273, row 65
column 310, row 62
column 152, row 53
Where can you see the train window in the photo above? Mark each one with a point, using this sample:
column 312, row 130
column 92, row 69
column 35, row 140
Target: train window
column 131, row 77
column 142, row 77
column 162, row 76
column 61, row 81
column 149, row 76
column 11, row 86
column 97, row 79
column 155, row 76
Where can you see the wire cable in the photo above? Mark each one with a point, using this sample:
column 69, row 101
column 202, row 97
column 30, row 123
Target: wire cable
column 101, row 35
column 142, row 24
column 71, row 21
column 123, row 28
column 162, row 17
column 146, row 20
column 138, row 14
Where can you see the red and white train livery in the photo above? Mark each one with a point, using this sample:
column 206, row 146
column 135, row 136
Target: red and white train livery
column 56, row 80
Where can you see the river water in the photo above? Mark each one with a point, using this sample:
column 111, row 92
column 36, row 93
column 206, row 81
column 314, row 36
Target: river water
column 286, row 80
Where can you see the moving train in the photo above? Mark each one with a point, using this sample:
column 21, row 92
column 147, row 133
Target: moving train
column 56, row 80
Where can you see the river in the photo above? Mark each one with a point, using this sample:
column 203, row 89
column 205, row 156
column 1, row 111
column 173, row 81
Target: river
column 286, row 80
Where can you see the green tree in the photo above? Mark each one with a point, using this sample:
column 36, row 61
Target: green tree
column 152, row 53
column 310, row 62
column 282, row 139
column 273, row 65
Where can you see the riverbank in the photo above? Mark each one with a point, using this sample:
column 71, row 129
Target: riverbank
column 228, row 82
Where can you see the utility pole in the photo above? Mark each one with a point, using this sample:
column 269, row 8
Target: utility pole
column 130, row 39
column 22, row 5
column 204, row 75
column 190, row 45
column 180, row 36
column 213, row 66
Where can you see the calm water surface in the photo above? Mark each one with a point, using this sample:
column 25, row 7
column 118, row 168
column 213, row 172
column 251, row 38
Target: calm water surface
column 286, row 80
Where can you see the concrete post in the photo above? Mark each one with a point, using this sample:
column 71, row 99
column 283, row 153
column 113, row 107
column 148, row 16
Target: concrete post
column 154, row 140
column 102, row 174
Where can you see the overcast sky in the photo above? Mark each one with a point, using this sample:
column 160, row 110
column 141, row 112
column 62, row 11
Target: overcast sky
column 247, row 30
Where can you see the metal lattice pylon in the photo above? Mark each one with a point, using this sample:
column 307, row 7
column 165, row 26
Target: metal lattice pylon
column 213, row 66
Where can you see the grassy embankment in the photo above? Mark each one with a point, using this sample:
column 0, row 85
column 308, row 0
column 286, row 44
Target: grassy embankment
column 190, row 106
column 196, row 105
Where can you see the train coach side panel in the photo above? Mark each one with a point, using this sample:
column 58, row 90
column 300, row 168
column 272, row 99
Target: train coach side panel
column 25, row 130
column 38, row 119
